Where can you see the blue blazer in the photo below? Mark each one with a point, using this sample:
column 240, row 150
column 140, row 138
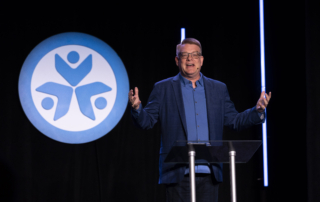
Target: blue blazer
column 165, row 105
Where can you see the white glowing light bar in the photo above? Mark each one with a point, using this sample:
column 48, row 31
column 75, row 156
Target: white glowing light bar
column 263, row 87
column 183, row 34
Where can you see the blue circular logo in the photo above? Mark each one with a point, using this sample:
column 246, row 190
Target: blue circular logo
column 73, row 88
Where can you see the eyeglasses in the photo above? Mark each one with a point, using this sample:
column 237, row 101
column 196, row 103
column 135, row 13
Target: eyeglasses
column 194, row 55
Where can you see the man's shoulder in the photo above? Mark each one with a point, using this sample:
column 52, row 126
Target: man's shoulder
column 215, row 82
column 169, row 80
column 166, row 81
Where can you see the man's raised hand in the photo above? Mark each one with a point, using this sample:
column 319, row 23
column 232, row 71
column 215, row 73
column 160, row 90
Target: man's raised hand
column 134, row 98
column 263, row 101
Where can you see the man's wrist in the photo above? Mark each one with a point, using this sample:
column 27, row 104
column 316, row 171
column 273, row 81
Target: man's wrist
column 138, row 108
column 261, row 114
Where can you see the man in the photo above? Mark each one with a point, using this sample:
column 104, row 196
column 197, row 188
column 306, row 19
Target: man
column 191, row 107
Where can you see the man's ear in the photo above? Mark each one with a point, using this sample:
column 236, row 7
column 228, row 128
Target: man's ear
column 177, row 60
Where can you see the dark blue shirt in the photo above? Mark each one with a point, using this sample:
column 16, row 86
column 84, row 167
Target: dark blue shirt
column 195, row 108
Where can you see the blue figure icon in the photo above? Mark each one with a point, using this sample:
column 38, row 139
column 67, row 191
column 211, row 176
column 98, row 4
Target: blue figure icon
column 73, row 77
column 84, row 94
column 62, row 92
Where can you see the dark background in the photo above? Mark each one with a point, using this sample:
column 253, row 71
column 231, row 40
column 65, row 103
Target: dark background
column 123, row 165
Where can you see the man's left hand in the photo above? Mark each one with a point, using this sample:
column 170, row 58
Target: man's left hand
column 263, row 101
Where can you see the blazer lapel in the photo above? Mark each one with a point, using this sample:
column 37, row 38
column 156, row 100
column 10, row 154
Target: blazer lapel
column 210, row 91
column 179, row 101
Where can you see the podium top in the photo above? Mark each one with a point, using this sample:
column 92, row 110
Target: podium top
column 212, row 151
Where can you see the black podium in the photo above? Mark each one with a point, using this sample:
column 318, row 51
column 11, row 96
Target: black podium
column 214, row 151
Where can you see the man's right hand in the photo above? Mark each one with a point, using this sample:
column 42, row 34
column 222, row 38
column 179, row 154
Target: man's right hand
column 134, row 98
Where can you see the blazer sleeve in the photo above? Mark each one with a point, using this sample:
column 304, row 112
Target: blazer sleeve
column 148, row 116
column 239, row 121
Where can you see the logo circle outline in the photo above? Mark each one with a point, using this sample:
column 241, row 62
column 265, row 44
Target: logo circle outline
column 73, row 38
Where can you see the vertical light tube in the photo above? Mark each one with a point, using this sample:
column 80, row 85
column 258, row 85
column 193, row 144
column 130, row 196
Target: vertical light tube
column 263, row 87
column 183, row 34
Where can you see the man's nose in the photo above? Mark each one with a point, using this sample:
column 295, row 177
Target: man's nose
column 189, row 56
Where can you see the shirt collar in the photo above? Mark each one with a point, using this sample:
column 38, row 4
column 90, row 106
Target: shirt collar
column 185, row 81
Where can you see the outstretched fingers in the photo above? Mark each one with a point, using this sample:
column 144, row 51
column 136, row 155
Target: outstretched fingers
column 134, row 98
column 263, row 101
column 136, row 91
column 130, row 94
column 268, row 97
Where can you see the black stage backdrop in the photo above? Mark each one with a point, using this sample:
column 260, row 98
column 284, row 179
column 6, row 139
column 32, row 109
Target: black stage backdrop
column 313, row 92
column 123, row 165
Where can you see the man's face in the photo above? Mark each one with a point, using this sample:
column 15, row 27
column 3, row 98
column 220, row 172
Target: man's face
column 189, row 67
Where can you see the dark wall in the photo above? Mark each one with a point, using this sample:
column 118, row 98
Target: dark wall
column 312, row 75
column 285, row 59
column 123, row 165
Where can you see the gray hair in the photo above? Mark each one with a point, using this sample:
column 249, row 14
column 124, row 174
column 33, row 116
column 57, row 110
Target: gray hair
column 188, row 41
